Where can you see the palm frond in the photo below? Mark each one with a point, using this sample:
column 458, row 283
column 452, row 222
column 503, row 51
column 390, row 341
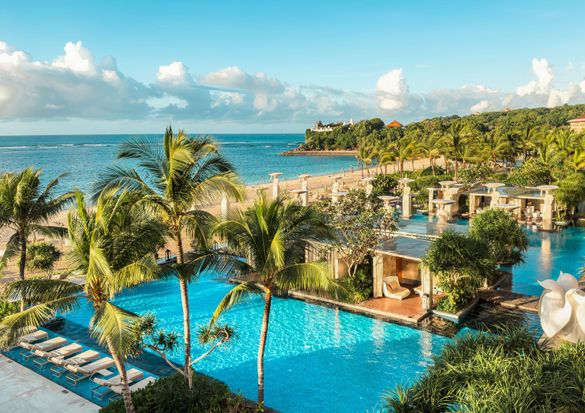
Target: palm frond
column 112, row 325
column 311, row 276
column 235, row 296
column 41, row 291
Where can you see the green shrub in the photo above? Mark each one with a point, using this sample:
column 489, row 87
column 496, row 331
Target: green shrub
column 571, row 191
column 530, row 173
column 360, row 286
column 42, row 256
column 7, row 308
column 384, row 184
column 475, row 174
column 171, row 394
column 505, row 372
column 505, row 238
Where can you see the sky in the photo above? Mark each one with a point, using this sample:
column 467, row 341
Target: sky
column 279, row 66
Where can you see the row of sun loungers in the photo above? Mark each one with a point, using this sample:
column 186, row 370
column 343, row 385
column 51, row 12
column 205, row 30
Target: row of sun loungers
column 70, row 359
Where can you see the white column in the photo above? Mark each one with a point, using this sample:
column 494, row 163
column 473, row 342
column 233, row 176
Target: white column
column 406, row 202
column 275, row 184
column 378, row 274
column 431, row 197
column 547, row 212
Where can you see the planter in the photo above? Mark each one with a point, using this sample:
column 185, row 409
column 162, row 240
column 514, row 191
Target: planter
column 561, row 223
column 459, row 315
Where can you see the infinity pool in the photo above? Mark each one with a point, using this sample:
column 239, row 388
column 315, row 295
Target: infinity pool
column 318, row 359
column 548, row 253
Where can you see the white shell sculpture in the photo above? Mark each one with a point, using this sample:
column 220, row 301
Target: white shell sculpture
column 562, row 308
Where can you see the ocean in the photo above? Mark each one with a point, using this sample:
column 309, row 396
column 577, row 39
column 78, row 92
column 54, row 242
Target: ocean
column 84, row 157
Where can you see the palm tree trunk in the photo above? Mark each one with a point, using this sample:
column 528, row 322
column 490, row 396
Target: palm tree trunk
column 188, row 370
column 401, row 168
column 22, row 263
column 262, row 345
column 456, row 167
column 126, row 396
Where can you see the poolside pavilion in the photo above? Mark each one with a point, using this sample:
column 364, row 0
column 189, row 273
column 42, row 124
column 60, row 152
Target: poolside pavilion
column 402, row 257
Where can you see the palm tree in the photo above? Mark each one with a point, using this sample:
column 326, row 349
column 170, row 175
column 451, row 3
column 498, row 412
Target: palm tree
column 428, row 148
column 527, row 139
column 25, row 208
column 274, row 235
column 114, row 246
column 454, row 141
column 177, row 179
column 405, row 149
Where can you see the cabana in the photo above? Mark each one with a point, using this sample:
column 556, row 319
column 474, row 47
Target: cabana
column 449, row 191
column 402, row 257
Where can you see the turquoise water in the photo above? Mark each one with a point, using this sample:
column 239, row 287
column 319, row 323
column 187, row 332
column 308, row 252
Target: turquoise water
column 318, row 359
column 548, row 253
column 84, row 156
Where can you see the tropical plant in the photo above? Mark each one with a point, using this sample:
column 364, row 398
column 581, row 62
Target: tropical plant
column 360, row 224
column 531, row 173
column 461, row 264
column 177, row 179
column 113, row 245
column 454, row 142
column 25, row 208
column 274, row 235
column 501, row 373
column 384, row 184
column 502, row 234
column 42, row 256
column 571, row 191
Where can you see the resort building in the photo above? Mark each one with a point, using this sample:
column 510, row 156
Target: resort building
column 577, row 124
column 320, row 127
column 394, row 124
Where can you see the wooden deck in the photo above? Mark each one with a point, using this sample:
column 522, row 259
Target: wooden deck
column 509, row 299
column 409, row 308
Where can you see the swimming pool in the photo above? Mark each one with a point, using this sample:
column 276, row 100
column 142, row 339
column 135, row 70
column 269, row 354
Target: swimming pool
column 317, row 358
column 548, row 253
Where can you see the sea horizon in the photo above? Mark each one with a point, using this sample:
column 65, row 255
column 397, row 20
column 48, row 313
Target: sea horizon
column 84, row 156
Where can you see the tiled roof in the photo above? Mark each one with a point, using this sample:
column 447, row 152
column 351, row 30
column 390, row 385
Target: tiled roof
column 394, row 124
column 579, row 119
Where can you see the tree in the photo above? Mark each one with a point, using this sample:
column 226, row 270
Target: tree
column 42, row 256
column 274, row 235
column 462, row 264
column 360, row 224
column 571, row 191
column 505, row 238
column 454, row 141
column 177, row 179
column 114, row 246
column 25, row 208
column 531, row 173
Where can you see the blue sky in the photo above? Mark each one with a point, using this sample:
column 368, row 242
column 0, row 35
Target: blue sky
column 278, row 66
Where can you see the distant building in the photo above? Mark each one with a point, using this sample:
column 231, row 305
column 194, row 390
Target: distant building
column 394, row 124
column 320, row 127
column 577, row 124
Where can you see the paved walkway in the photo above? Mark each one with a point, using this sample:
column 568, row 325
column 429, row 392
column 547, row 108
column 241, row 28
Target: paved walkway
column 24, row 391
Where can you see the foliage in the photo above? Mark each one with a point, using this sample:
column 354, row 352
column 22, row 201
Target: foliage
column 25, row 209
column 171, row 394
column 384, row 184
column 474, row 174
column 42, row 256
column 359, row 286
column 7, row 308
column 531, row 173
column 462, row 264
column 503, row 235
column 501, row 373
column 360, row 224
column 571, row 190
column 345, row 137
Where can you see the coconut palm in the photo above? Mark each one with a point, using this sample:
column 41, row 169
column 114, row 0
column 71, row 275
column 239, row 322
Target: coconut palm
column 429, row 149
column 405, row 149
column 274, row 235
column 177, row 179
column 113, row 246
column 25, row 208
column 527, row 139
column 454, row 141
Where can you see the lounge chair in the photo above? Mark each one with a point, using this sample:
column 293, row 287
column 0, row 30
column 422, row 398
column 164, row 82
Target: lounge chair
column 105, row 385
column 136, row 386
column 47, row 345
column 392, row 289
column 34, row 336
column 42, row 358
column 78, row 360
column 79, row 373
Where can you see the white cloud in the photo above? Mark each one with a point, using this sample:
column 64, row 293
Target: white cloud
column 544, row 78
column 175, row 74
column 76, row 59
column 74, row 86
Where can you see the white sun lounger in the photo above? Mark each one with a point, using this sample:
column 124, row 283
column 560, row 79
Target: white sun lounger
column 136, row 386
column 47, row 345
column 42, row 357
column 78, row 360
column 105, row 385
column 391, row 288
column 79, row 373
column 34, row 336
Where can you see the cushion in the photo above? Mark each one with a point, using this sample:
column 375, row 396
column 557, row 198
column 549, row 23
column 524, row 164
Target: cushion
column 393, row 285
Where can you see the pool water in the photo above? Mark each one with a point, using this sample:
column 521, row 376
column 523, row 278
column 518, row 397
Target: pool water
column 318, row 359
column 548, row 253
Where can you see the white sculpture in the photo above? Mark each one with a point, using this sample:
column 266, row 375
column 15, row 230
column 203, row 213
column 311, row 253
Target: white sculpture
column 562, row 308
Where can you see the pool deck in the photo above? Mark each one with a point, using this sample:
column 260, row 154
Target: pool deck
column 23, row 390
column 510, row 299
